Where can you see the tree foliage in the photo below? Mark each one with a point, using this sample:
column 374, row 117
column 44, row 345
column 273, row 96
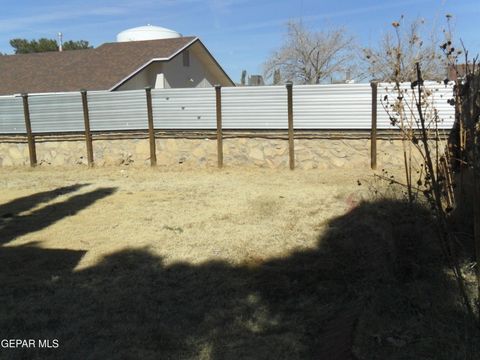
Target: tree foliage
column 24, row 46
column 76, row 45
column 309, row 57
column 399, row 50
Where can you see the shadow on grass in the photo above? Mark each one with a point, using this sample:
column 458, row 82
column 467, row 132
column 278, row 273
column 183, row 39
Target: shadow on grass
column 375, row 286
column 26, row 203
column 15, row 224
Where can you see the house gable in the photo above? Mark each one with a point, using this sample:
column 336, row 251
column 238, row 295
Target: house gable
column 202, row 70
column 91, row 69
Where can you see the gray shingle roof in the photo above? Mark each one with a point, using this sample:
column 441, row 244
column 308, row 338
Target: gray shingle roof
column 90, row 69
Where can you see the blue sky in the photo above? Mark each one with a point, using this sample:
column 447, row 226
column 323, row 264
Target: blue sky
column 240, row 33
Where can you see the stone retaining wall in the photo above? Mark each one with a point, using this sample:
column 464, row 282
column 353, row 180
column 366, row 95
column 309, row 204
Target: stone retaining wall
column 318, row 153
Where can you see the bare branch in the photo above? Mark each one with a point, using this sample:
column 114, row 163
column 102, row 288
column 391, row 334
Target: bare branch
column 395, row 60
column 310, row 57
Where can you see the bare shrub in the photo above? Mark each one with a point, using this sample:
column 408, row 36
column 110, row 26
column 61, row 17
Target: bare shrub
column 395, row 57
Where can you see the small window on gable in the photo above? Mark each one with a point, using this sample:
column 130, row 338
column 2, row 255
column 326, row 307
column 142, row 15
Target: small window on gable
column 186, row 58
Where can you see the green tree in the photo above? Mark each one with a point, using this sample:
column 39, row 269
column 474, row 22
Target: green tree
column 24, row 46
column 76, row 45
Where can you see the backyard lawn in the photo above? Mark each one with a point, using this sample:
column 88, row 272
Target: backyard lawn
column 140, row 263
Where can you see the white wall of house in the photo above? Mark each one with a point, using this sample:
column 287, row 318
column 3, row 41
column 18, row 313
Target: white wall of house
column 139, row 81
column 174, row 72
column 193, row 76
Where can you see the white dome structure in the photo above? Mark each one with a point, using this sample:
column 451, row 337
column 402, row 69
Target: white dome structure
column 148, row 32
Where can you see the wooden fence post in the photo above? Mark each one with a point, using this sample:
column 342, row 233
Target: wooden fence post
column 151, row 129
column 291, row 146
column 218, row 93
column 32, row 152
column 373, row 134
column 88, row 134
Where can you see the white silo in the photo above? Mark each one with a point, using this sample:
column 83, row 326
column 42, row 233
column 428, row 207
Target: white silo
column 148, row 32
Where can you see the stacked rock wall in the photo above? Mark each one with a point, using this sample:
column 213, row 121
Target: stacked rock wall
column 263, row 151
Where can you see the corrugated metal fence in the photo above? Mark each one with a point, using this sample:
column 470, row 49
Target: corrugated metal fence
column 343, row 106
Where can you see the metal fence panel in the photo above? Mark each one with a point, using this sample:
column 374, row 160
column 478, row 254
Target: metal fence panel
column 184, row 108
column 56, row 112
column 122, row 110
column 336, row 106
column 342, row 106
column 263, row 107
column 12, row 120
column 438, row 101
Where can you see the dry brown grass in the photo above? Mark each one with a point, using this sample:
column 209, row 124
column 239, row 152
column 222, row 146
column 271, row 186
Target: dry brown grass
column 193, row 216
column 121, row 263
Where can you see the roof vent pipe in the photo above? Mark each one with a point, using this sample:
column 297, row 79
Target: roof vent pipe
column 60, row 42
